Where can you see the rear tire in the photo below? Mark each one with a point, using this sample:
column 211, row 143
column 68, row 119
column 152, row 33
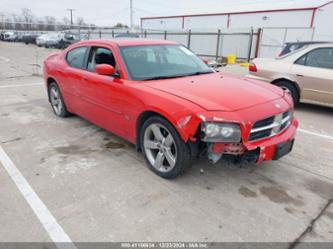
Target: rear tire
column 57, row 101
column 166, row 154
column 289, row 88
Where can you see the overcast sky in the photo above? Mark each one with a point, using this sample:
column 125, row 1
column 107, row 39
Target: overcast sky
column 109, row 12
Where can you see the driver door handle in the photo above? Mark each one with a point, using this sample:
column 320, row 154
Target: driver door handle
column 299, row 75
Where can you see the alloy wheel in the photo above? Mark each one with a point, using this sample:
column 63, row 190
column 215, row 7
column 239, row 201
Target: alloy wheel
column 160, row 147
column 56, row 100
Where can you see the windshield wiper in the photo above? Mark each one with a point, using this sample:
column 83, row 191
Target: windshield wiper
column 163, row 77
column 177, row 76
column 199, row 72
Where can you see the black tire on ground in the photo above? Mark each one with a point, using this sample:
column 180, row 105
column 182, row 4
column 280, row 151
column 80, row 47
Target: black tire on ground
column 291, row 88
column 63, row 113
column 183, row 159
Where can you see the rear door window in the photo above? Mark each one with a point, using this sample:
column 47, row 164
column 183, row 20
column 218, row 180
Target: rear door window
column 76, row 57
column 320, row 57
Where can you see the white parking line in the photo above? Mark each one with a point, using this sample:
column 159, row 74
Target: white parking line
column 50, row 224
column 19, row 85
column 316, row 134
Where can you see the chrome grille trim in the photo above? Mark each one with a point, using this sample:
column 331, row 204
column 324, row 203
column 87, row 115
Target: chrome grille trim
column 273, row 126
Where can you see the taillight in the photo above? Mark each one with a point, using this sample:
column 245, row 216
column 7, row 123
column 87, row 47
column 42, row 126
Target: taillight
column 253, row 68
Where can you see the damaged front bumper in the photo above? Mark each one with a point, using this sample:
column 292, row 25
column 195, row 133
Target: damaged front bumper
column 271, row 148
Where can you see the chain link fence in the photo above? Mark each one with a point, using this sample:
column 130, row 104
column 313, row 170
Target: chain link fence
column 272, row 40
column 215, row 44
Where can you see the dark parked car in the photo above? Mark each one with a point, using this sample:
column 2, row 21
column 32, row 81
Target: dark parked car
column 66, row 40
column 293, row 46
column 29, row 38
column 127, row 35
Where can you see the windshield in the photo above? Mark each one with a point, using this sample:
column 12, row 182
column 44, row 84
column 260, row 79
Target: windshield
column 151, row 62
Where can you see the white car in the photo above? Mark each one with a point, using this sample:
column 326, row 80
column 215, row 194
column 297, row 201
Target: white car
column 10, row 36
column 48, row 40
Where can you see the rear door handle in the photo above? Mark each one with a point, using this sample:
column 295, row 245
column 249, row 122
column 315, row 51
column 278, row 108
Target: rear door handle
column 299, row 75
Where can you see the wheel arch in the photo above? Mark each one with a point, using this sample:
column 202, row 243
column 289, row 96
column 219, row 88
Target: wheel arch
column 152, row 112
column 48, row 83
column 289, row 80
column 140, row 121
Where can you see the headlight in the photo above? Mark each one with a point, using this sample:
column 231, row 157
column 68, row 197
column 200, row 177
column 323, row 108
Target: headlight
column 221, row 132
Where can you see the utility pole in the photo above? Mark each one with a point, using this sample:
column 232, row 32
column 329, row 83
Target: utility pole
column 71, row 13
column 131, row 14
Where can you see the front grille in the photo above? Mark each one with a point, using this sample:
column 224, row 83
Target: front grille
column 260, row 134
column 270, row 126
column 263, row 122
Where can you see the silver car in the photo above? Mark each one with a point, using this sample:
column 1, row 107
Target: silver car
column 306, row 73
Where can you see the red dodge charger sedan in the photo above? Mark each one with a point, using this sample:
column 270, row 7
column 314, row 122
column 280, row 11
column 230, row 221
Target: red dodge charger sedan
column 160, row 96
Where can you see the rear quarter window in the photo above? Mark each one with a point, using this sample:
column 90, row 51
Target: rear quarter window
column 75, row 57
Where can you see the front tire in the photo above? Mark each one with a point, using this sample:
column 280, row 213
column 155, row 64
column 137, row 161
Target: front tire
column 57, row 101
column 164, row 150
column 290, row 88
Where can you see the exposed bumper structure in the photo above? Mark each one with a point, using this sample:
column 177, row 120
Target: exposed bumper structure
column 271, row 148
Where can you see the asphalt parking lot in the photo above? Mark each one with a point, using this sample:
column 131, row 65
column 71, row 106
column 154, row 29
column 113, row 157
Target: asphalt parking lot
column 98, row 188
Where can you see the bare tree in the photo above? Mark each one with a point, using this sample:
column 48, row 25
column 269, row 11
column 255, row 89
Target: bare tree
column 120, row 25
column 26, row 20
column 50, row 22
column 40, row 24
column 27, row 17
column 80, row 21
column 66, row 21
column 8, row 23
column 17, row 22
column 2, row 20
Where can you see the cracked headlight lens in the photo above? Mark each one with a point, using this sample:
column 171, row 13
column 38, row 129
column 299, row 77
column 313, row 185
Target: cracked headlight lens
column 221, row 132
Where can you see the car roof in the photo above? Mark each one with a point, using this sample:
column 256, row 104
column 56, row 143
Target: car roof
column 319, row 45
column 307, row 42
column 124, row 42
column 305, row 49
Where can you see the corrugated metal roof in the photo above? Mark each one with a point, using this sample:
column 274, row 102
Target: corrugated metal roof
column 252, row 6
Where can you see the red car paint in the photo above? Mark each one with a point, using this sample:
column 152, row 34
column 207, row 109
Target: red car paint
column 116, row 104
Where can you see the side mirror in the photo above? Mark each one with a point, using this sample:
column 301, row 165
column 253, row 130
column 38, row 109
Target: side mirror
column 105, row 69
column 205, row 60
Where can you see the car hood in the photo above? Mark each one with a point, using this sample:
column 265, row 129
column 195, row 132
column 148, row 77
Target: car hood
column 219, row 92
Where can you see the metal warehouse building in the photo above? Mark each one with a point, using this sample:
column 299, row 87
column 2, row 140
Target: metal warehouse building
column 308, row 14
column 273, row 25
